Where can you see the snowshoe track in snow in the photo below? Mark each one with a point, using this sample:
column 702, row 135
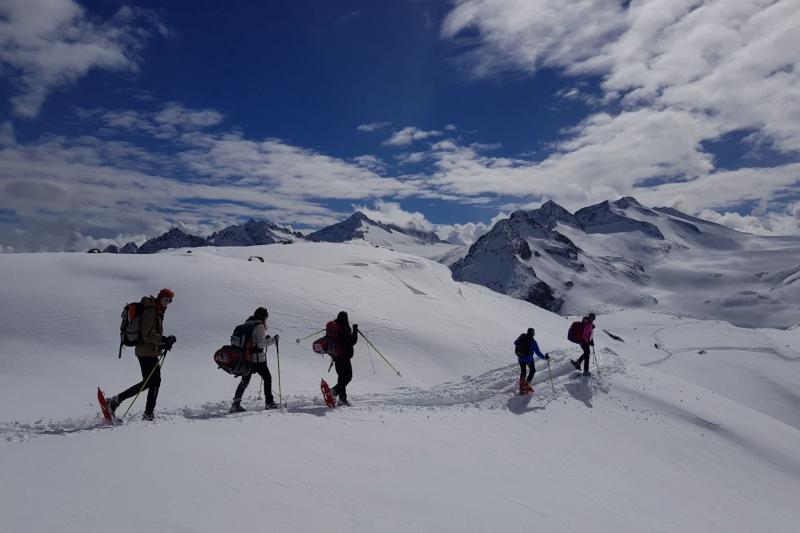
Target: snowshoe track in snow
column 495, row 389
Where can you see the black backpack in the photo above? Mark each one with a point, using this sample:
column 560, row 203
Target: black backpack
column 521, row 345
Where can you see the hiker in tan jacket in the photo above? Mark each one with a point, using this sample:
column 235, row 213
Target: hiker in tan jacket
column 153, row 341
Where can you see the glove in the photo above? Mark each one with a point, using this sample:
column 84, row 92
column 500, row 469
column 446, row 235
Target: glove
column 547, row 357
column 355, row 328
column 277, row 337
column 167, row 342
column 591, row 343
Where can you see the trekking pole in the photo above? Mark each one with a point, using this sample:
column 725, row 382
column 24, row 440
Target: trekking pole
column 144, row 383
column 551, row 379
column 278, row 352
column 309, row 335
column 596, row 364
column 369, row 353
column 379, row 353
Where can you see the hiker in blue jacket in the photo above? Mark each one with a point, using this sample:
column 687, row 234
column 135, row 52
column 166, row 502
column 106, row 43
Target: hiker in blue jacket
column 525, row 347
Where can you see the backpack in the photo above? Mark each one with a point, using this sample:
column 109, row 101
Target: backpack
column 575, row 333
column 329, row 344
column 242, row 337
column 129, row 329
column 232, row 360
column 520, row 348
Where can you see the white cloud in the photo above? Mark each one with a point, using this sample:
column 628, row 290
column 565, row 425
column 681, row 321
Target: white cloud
column 409, row 135
column 785, row 222
column 675, row 73
column 373, row 126
column 45, row 44
column 467, row 233
column 392, row 213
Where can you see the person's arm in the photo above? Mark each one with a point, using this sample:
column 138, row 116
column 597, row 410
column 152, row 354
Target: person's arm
column 260, row 342
column 537, row 351
column 354, row 336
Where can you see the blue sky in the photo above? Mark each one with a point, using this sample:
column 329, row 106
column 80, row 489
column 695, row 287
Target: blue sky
column 123, row 119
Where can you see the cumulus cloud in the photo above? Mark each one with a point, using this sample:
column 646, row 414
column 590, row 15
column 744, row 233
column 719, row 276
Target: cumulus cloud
column 674, row 76
column 45, row 44
column 759, row 222
column 393, row 213
column 409, row 135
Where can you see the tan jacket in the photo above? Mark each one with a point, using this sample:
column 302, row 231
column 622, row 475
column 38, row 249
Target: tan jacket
column 152, row 329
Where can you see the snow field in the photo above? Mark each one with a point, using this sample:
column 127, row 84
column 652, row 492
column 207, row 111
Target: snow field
column 643, row 445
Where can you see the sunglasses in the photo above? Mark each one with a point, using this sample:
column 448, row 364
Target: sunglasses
column 166, row 300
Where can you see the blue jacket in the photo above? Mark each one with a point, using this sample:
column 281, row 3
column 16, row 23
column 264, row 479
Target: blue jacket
column 532, row 348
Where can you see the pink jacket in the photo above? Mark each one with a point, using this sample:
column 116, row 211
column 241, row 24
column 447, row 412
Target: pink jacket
column 588, row 331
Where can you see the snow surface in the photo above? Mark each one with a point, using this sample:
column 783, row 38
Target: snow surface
column 660, row 439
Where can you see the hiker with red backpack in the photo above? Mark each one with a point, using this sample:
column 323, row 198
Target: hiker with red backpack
column 149, row 346
column 525, row 347
column 254, row 343
column 582, row 333
column 344, row 339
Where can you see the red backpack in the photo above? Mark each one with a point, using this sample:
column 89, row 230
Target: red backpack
column 329, row 344
column 575, row 333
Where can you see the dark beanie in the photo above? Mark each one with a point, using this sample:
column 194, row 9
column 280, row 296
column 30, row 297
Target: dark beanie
column 261, row 313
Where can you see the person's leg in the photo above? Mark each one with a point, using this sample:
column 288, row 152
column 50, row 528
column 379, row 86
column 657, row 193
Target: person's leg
column 153, row 384
column 263, row 370
column 522, row 370
column 585, row 356
column 237, row 397
column 344, row 371
column 531, row 372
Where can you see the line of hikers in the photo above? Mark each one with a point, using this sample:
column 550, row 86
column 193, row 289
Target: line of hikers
column 143, row 327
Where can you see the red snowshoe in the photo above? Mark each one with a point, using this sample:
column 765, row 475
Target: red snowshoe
column 327, row 395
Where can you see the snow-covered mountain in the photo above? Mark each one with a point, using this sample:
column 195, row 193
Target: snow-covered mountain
column 174, row 238
column 685, row 425
column 252, row 233
column 360, row 227
column 624, row 255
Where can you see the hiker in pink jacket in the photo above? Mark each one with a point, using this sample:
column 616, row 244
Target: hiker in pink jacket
column 587, row 340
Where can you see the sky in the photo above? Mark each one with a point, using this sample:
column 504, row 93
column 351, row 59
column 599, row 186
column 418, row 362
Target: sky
column 120, row 120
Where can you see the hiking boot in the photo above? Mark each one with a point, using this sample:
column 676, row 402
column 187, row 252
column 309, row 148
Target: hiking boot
column 575, row 364
column 148, row 417
column 343, row 401
column 270, row 405
column 586, row 373
column 112, row 404
column 335, row 392
column 236, row 407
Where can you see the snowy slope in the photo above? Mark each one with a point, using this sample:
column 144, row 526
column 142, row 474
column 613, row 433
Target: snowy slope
column 447, row 447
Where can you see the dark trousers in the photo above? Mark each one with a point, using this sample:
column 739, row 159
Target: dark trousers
column 584, row 357
column 529, row 368
column 262, row 370
column 344, row 372
column 147, row 364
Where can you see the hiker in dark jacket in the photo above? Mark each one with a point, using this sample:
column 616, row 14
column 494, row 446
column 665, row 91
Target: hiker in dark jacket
column 258, row 361
column 525, row 347
column 587, row 340
column 148, row 351
column 344, row 353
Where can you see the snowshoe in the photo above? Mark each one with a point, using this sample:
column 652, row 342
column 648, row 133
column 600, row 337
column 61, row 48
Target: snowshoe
column 575, row 364
column 344, row 402
column 108, row 413
column 327, row 395
column 270, row 405
column 148, row 417
column 236, row 407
